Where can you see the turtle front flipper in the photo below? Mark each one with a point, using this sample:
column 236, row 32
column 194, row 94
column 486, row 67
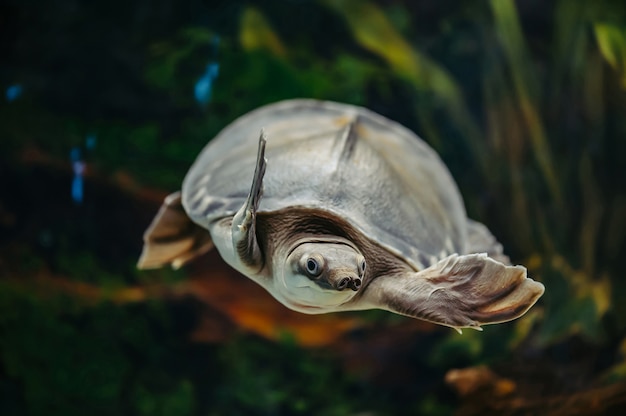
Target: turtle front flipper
column 243, row 228
column 459, row 291
column 172, row 238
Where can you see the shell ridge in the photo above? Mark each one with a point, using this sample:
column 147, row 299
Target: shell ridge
column 351, row 144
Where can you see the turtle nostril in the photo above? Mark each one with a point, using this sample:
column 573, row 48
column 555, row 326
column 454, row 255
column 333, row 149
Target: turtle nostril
column 343, row 283
column 355, row 284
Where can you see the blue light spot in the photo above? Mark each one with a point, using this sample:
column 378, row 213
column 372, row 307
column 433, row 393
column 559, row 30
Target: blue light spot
column 13, row 92
column 78, row 166
column 77, row 189
column 75, row 154
column 213, row 70
column 204, row 87
column 90, row 141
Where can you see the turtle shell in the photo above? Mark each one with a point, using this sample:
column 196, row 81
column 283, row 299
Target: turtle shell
column 349, row 161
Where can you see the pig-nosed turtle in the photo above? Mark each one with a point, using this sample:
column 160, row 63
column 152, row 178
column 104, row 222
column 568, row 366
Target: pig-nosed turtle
column 353, row 212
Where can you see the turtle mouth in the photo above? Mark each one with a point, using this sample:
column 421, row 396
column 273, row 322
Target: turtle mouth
column 307, row 295
column 316, row 299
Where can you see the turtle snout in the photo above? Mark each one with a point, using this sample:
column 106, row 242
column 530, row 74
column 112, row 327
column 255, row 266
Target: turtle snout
column 353, row 283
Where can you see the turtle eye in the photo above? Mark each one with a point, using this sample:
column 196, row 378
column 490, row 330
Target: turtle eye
column 362, row 267
column 313, row 267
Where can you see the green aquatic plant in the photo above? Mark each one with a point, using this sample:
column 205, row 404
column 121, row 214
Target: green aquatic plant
column 612, row 43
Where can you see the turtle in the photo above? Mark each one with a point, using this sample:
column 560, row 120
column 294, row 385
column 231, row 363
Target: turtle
column 332, row 207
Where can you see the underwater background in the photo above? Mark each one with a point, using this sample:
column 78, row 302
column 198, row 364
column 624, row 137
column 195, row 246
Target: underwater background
column 106, row 105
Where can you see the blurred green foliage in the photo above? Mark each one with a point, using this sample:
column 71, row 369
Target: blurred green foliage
column 110, row 359
column 612, row 42
column 525, row 103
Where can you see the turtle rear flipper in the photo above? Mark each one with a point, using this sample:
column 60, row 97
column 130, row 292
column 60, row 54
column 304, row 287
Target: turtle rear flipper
column 459, row 292
column 480, row 240
column 172, row 238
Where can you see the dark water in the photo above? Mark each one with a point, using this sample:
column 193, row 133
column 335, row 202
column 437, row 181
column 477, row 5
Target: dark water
column 106, row 104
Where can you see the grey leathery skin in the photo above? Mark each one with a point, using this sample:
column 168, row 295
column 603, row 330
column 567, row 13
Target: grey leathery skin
column 332, row 207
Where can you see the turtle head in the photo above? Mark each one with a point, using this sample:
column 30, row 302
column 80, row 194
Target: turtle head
column 320, row 275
